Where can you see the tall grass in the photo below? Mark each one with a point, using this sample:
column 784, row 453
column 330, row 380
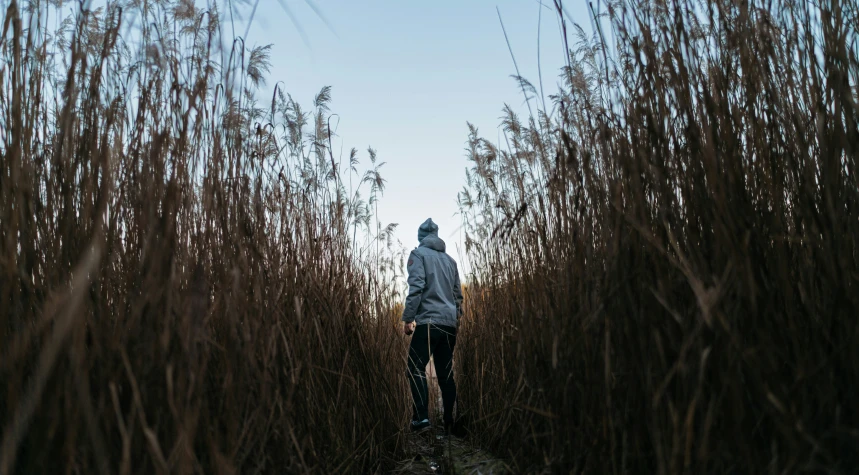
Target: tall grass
column 184, row 287
column 666, row 269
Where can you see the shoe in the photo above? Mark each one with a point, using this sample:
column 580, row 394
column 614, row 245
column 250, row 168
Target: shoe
column 420, row 426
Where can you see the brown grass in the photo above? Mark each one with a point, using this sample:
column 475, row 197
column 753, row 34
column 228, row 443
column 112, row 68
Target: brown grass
column 666, row 269
column 182, row 286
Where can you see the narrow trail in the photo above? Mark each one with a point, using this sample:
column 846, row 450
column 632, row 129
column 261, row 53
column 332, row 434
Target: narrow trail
column 433, row 452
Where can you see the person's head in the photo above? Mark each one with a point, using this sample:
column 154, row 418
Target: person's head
column 428, row 228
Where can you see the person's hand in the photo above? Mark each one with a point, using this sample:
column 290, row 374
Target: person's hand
column 409, row 328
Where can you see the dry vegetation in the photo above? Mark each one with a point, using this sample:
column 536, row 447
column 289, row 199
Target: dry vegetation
column 666, row 272
column 185, row 286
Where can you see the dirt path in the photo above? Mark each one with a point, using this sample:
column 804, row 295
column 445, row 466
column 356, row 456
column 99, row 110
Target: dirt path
column 432, row 452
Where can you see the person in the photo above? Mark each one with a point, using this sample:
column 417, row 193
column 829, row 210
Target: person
column 431, row 314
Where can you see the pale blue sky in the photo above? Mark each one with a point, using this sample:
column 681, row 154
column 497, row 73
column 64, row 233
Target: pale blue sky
column 406, row 78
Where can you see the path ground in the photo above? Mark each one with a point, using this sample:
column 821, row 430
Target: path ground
column 432, row 452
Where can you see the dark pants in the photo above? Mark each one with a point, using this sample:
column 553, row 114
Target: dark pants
column 436, row 341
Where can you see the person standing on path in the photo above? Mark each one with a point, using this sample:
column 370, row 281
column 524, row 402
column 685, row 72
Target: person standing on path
column 431, row 314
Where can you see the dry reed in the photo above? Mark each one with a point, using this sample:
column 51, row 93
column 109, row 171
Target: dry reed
column 183, row 285
column 666, row 271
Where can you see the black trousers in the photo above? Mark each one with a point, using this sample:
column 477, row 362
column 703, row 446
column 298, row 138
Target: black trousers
column 436, row 341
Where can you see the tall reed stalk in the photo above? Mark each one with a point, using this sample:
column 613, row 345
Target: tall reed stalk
column 182, row 289
column 666, row 262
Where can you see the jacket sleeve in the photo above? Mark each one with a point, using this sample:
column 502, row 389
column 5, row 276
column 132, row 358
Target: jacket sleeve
column 457, row 291
column 417, row 281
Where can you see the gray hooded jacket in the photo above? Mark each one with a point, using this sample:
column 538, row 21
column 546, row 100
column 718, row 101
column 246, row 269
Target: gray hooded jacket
column 435, row 295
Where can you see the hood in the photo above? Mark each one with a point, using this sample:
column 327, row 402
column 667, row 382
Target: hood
column 428, row 228
column 434, row 242
column 428, row 236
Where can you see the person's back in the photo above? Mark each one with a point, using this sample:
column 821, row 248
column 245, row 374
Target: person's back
column 434, row 293
column 432, row 312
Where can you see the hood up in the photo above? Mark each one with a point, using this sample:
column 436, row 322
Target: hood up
column 434, row 242
column 428, row 236
column 427, row 228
